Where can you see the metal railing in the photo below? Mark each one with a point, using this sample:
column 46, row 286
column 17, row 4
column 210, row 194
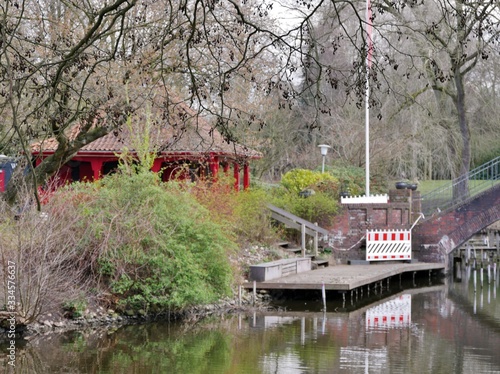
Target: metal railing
column 462, row 189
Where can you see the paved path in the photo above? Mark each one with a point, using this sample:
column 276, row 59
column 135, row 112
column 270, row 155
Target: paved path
column 344, row 277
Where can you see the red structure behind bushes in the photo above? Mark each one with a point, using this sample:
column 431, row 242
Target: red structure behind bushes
column 191, row 149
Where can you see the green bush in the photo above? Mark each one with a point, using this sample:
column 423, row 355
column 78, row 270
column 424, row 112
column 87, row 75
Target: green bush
column 297, row 180
column 156, row 245
column 320, row 207
column 253, row 218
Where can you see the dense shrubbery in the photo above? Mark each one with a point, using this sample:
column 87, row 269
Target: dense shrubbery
column 297, row 180
column 135, row 242
column 244, row 214
column 320, row 206
column 320, row 203
column 156, row 245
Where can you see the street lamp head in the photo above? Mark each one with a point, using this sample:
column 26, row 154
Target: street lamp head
column 324, row 149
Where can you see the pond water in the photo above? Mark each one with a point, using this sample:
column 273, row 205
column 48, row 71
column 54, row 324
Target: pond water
column 448, row 326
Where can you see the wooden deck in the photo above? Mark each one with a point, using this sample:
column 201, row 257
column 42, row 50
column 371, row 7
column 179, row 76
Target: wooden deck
column 343, row 277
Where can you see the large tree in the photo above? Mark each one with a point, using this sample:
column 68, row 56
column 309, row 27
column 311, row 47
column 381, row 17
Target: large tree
column 442, row 45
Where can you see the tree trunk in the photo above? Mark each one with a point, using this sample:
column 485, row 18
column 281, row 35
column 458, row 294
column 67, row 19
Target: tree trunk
column 461, row 185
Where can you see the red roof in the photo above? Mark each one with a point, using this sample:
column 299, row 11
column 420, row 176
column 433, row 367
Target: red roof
column 183, row 131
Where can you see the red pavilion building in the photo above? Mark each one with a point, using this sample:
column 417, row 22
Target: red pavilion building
column 185, row 147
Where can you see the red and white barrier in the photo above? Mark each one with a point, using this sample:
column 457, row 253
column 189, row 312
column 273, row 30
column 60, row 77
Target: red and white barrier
column 385, row 245
column 395, row 313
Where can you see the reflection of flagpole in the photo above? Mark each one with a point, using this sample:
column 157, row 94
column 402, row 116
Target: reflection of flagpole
column 369, row 50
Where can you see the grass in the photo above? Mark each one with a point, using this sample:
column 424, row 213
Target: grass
column 430, row 185
column 474, row 185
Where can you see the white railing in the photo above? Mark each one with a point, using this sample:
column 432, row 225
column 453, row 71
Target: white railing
column 372, row 199
column 386, row 245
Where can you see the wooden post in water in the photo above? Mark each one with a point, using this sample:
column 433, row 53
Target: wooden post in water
column 481, row 275
column 303, row 331
column 323, row 294
column 475, row 279
column 254, row 292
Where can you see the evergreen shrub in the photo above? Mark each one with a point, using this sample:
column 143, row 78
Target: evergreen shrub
column 154, row 245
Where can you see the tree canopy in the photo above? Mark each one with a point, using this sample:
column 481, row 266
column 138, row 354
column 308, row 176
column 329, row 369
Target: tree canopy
column 244, row 65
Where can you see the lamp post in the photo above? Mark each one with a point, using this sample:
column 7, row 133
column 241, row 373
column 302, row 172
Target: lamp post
column 324, row 151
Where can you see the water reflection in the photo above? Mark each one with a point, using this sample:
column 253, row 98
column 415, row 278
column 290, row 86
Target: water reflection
column 445, row 328
column 395, row 313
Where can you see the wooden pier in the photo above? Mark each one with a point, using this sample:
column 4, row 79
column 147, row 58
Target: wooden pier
column 344, row 277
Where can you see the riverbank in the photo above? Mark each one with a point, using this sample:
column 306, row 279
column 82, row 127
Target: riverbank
column 95, row 316
column 100, row 318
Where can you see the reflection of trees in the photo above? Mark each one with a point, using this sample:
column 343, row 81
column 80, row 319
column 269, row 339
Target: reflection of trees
column 449, row 320
column 159, row 348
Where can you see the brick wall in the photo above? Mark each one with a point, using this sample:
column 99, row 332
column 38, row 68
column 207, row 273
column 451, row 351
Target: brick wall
column 351, row 224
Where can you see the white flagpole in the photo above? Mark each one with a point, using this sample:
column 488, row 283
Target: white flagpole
column 367, row 97
column 367, row 135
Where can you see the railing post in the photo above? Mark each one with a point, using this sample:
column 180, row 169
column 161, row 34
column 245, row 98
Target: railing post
column 316, row 241
column 303, row 239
